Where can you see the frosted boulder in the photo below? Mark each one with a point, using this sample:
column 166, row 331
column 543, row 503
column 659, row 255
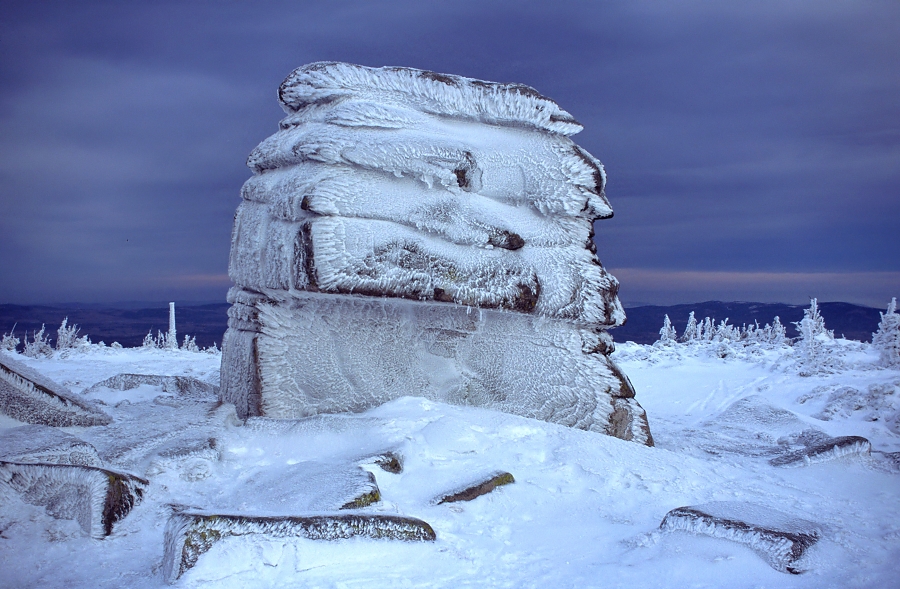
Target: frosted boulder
column 29, row 396
column 184, row 386
column 414, row 233
column 779, row 538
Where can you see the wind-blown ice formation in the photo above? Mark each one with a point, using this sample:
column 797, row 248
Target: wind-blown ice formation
column 414, row 233
column 40, row 443
column 33, row 398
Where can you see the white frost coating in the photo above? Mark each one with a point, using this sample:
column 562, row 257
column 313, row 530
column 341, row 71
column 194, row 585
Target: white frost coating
column 332, row 354
column 31, row 397
column 40, row 443
column 781, row 539
column 95, row 498
column 549, row 173
column 453, row 194
column 440, row 94
column 302, row 191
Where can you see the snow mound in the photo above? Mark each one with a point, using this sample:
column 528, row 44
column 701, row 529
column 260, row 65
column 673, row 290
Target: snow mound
column 390, row 205
column 190, row 534
column 95, row 497
column 185, row 386
column 39, row 443
column 782, row 540
column 31, row 397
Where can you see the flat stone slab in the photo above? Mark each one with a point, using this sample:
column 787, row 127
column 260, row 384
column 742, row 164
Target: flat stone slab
column 780, row 539
column 478, row 489
column 190, row 534
column 183, row 386
column 29, row 396
column 40, row 443
column 96, row 498
column 824, row 451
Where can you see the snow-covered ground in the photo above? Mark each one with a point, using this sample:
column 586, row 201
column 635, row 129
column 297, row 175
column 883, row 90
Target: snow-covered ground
column 584, row 511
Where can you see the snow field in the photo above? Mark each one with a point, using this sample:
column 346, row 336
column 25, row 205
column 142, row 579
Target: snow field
column 584, row 511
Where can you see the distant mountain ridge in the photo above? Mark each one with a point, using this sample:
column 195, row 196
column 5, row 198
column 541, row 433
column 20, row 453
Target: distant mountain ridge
column 845, row 319
column 208, row 322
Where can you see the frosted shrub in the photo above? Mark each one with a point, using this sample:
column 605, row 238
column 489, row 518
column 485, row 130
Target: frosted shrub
column 190, row 344
column 66, row 335
column 10, row 342
column 887, row 339
column 38, row 348
column 213, row 349
column 150, row 342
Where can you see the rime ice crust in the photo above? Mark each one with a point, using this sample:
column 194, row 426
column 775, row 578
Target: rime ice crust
column 414, row 233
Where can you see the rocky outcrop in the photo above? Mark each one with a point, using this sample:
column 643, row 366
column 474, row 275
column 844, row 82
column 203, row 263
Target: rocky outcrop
column 184, row 386
column 40, row 443
column 408, row 232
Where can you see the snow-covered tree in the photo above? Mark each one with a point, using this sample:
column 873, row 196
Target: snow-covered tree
column 777, row 334
column 667, row 334
column 813, row 353
column 39, row 347
column 887, row 339
column 709, row 330
column 149, row 341
column 690, row 330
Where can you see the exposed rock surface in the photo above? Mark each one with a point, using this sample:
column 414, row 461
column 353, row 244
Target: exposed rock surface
column 478, row 489
column 31, row 397
column 782, row 540
column 96, row 498
column 414, row 233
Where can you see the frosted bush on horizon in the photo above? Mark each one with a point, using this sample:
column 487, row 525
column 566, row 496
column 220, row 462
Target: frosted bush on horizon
column 887, row 339
column 10, row 342
column 39, row 347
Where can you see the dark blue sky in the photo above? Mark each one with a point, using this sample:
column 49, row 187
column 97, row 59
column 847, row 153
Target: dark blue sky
column 753, row 148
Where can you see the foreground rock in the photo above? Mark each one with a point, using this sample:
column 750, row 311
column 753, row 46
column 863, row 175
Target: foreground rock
column 40, row 443
column 413, row 231
column 780, row 539
column 190, row 534
column 29, row 396
column 478, row 489
column 94, row 497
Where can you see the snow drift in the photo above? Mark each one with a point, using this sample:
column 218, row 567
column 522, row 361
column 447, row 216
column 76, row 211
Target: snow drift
column 408, row 232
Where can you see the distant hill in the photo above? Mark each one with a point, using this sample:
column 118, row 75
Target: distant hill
column 207, row 323
column 849, row 321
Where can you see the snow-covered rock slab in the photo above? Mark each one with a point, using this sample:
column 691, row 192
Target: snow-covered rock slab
column 823, row 451
column 31, row 397
column 780, row 539
column 302, row 487
column 190, row 534
column 186, row 386
column 40, row 443
column 408, row 232
column 478, row 489
column 96, row 498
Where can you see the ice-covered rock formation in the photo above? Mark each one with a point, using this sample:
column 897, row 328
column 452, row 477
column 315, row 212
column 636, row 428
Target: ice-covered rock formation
column 781, row 539
column 31, row 397
column 40, row 443
column 414, row 233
